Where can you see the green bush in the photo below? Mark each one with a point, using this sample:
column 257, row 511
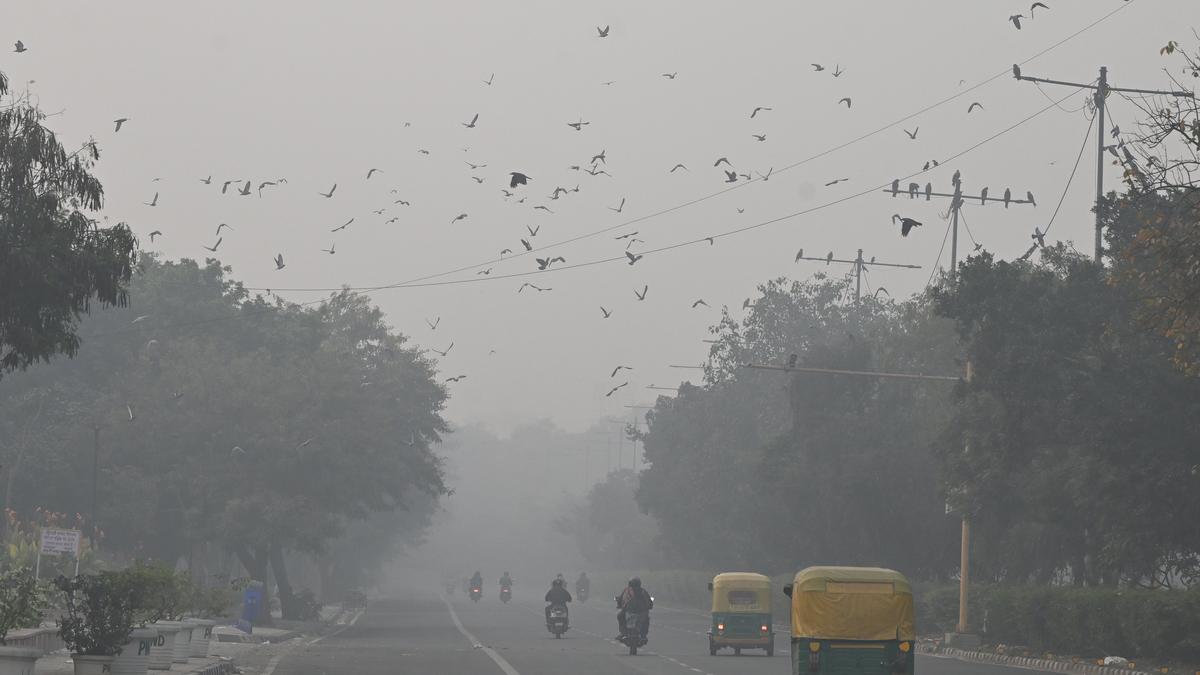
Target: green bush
column 1068, row 620
column 22, row 601
column 99, row 612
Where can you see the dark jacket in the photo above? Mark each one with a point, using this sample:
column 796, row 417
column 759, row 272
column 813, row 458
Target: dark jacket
column 558, row 596
column 636, row 600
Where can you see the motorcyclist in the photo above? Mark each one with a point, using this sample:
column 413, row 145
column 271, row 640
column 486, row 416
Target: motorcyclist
column 477, row 580
column 557, row 595
column 583, row 584
column 506, row 581
column 637, row 600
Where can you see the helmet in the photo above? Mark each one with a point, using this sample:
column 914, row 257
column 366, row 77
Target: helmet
column 558, row 582
column 635, row 582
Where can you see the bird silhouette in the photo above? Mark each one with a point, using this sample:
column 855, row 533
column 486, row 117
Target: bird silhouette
column 847, row 101
column 799, row 255
column 617, row 370
column 488, row 81
column 818, row 67
column 540, row 207
column 983, row 196
column 206, row 181
column 1035, row 6
column 670, row 76
column 19, row 47
column 906, row 224
column 973, row 106
column 119, row 122
column 757, row 110
column 220, row 227
column 279, row 264
column 329, row 194
column 1039, row 237
column 456, row 378
column 759, row 137
column 836, row 181
column 518, row 178
column 602, row 32
column 698, row 303
column 244, row 190
column 475, row 167
column 1007, row 197
column 402, row 202
column 484, row 272
column 602, row 158
column 615, row 389
column 625, row 236
column 528, row 246
column 829, row 258
column 533, row 230
column 1016, row 20
column 578, row 126
column 1016, row 71
column 461, row 216
column 331, row 250
column 837, row 71
column 215, row 246
column 641, row 296
column 605, row 312
column 767, row 175
column 444, row 353
column 731, row 177
column 433, row 324
column 156, row 233
column 619, row 208
column 225, row 186
column 372, row 172
column 632, row 258
column 477, row 179
column 724, row 160
column 471, row 124
column 1029, row 198
column 912, row 135
column 152, row 202
column 343, row 226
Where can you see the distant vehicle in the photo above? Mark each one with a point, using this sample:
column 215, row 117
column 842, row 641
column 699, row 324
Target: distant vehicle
column 355, row 599
column 853, row 620
column 633, row 635
column 476, row 593
column 741, row 613
column 581, row 593
column 505, row 594
column 558, row 622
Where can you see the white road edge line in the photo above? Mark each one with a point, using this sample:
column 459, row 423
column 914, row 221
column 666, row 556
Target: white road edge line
column 504, row 666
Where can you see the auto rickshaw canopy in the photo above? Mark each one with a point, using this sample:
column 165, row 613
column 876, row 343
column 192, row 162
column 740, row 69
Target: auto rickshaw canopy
column 852, row 603
column 741, row 592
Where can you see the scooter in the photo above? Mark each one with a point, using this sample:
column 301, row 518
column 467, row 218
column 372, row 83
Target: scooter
column 632, row 635
column 505, row 594
column 581, row 593
column 558, row 623
column 476, row 593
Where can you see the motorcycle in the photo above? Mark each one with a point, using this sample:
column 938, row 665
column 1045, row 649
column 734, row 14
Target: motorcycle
column 581, row 593
column 558, row 623
column 476, row 593
column 505, row 594
column 633, row 635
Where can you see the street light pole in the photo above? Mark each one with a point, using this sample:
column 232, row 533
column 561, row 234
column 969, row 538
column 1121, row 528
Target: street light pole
column 95, row 483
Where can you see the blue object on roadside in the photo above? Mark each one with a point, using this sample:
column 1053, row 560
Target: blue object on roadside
column 251, row 600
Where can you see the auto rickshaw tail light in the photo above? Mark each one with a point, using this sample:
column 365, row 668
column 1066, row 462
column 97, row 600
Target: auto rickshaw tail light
column 720, row 628
column 814, row 646
column 905, row 647
column 765, row 628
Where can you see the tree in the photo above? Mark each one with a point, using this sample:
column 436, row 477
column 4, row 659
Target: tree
column 54, row 259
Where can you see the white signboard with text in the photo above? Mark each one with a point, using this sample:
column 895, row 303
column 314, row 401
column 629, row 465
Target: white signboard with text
column 57, row 542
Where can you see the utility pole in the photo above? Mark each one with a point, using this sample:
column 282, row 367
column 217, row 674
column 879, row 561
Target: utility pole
column 860, row 266
column 95, row 483
column 1102, row 89
column 957, row 198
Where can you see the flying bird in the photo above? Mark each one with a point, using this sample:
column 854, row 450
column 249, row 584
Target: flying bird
column 602, row 32
column 543, row 208
column 156, row 233
column 215, row 246
column 471, row 124
column 265, row 183
column 518, row 178
column 372, row 172
column 533, row 230
column 244, row 190
column 757, row 110
column 670, row 76
column 818, row 67
column 730, row 176
column 617, row 370
column 206, row 181
column 600, row 157
column 461, row 216
column 906, row 224
column 222, row 226
column 456, row 378
column 331, row 250
column 912, row 135
column 759, row 137
column 698, row 303
column 488, row 81
column 402, row 202
column 528, row 246
column 444, row 353
column 578, row 126
column 225, row 186
column 423, row 151
column 847, row 101
column 343, row 226
column 615, row 389
column 625, row 236
column 619, row 208
column 279, row 264
column 120, row 121
column 632, row 258
column 973, row 106
column 152, row 202
column 641, row 296
column 1035, row 6
column 767, row 175
column 1016, row 20
column 721, row 160
column 1016, row 71
column 484, row 272
column 329, row 194
column 837, row 71
column 19, row 47
column 433, row 324
column 475, row 167
column 605, row 312
column 836, row 181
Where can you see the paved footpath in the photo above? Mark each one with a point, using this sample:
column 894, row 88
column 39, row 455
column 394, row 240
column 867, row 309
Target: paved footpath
column 415, row 633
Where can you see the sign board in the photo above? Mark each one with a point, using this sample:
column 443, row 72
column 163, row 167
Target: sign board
column 57, row 542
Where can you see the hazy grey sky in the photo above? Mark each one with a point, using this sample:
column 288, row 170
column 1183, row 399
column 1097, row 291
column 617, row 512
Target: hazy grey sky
column 318, row 93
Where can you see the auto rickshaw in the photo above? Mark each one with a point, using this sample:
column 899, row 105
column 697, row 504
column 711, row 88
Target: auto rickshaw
column 741, row 613
column 853, row 620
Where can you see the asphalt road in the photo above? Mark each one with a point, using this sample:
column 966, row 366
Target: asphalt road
column 417, row 633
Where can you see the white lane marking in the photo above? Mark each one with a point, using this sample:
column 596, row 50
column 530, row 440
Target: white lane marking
column 505, row 666
column 274, row 662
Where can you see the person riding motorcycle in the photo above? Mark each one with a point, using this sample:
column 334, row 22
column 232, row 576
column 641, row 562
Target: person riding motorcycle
column 583, row 584
column 477, row 580
column 637, row 600
column 557, row 595
column 506, row 581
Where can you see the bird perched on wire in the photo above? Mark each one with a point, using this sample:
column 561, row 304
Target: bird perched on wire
column 906, row 224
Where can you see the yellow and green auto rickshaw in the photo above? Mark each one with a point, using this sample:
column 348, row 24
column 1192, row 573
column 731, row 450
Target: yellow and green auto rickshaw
column 741, row 613
column 852, row 620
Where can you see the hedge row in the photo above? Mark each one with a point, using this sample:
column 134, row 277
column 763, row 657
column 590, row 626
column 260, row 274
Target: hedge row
column 1082, row 621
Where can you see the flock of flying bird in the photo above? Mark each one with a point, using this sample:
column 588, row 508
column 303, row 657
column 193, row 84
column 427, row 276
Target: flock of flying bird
column 518, row 187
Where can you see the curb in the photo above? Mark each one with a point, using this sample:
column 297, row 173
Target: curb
column 1031, row 663
column 223, row 668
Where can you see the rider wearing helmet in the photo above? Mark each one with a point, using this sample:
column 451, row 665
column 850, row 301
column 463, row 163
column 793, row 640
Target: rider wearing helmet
column 557, row 595
column 637, row 600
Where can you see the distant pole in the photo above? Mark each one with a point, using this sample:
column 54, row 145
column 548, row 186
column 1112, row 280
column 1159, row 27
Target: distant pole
column 964, row 569
column 1102, row 90
column 1101, row 96
column 955, row 205
column 858, row 270
column 95, row 484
